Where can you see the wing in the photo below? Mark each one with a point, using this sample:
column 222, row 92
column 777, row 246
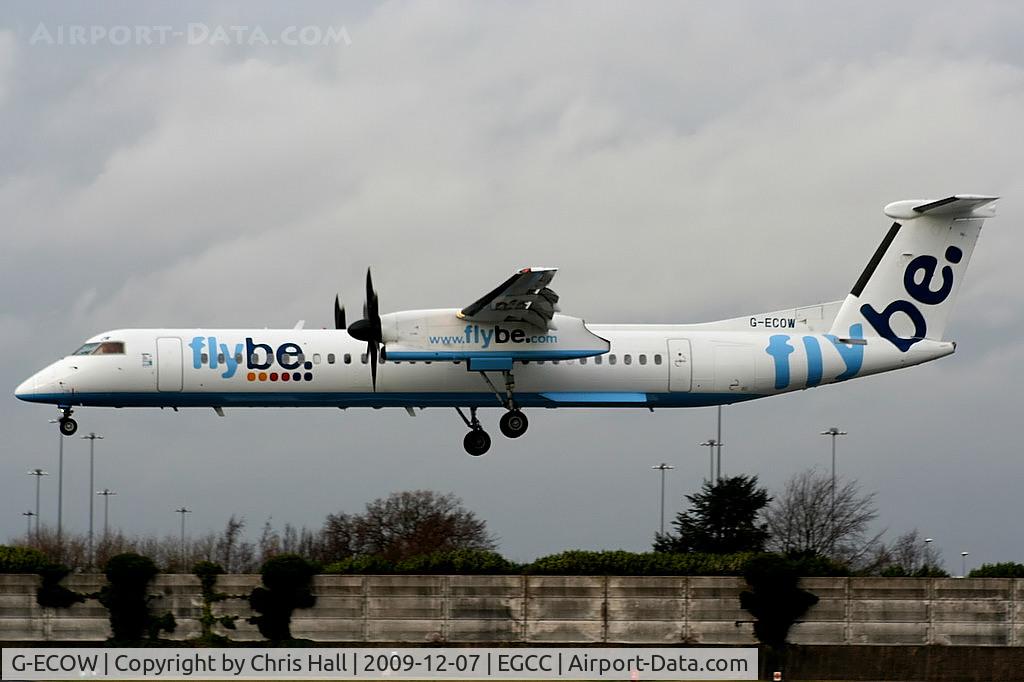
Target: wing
column 523, row 297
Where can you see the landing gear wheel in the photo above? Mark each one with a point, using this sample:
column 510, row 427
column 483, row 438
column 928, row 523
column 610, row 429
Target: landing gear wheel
column 68, row 426
column 477, row 442
column 513, row 423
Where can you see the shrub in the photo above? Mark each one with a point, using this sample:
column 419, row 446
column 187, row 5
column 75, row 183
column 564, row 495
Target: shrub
column 22, row 560
column 579, row 562
column 1007, row 569
column 207, row 572
column 126, row 598
column 464, row 561
column 774, row 599
column 361, row 565
column 287, row 579
column 51, row 593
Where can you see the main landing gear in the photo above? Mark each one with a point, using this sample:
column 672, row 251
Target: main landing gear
column 66, row 424
column 512, row 424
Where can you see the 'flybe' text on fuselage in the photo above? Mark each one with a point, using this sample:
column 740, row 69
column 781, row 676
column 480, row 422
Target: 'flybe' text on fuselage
column 209, row 353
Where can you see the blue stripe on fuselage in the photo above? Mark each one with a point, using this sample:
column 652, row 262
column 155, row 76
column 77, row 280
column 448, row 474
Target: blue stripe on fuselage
column 386, row 399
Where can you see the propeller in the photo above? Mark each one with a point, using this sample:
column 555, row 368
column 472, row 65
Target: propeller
column 339, row 314
column 368, row 329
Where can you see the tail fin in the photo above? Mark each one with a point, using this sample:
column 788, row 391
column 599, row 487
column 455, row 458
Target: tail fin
column 906, row 292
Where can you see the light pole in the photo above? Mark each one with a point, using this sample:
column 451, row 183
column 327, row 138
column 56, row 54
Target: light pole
column 28, row 529
column 963, row 564
column 711, row 444
column 92, row 438
column 927, row 552
column 663, row 468
column 182, row 510
column 106, row 493
column 60, row 488
column 38, row 473
column 719, row 439
column 833, row 431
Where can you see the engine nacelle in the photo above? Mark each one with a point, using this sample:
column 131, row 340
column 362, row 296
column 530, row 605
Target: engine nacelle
column 444, row 335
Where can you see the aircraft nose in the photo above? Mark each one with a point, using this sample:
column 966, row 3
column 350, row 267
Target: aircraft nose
column 26, row 389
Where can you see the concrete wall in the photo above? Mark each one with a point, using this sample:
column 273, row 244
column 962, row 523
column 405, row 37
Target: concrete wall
column 569, row 610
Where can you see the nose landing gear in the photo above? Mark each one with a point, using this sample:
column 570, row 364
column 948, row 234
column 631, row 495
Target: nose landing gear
column 66, row 424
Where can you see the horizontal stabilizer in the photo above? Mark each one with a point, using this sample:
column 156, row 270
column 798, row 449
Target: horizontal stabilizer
column 958, row 205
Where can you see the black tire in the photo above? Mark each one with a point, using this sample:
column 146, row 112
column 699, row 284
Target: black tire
column 513, row 424
column 477, row 442
column 68, row 426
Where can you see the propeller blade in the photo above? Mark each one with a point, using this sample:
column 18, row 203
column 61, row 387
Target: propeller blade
column 339, row 314
column 371, row 349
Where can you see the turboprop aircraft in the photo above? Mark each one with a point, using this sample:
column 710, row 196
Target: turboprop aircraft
column 513, row 349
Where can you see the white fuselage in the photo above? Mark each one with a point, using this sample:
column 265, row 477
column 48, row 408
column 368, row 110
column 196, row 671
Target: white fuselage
column 645, row 366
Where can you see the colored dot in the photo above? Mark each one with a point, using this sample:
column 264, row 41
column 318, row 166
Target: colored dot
column 308, row 376
column 251, row 376
column 308, row 365
column 263, row 376
column 954, row 254
column 273, row 376
column 297, row 376
column 285, row 376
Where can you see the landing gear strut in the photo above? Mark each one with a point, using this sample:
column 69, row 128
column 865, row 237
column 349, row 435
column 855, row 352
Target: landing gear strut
column 476, row 442
column 66, row 424
column 513, row 423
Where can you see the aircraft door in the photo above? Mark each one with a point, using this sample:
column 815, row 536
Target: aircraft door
column 169, row 365
column 680, row 365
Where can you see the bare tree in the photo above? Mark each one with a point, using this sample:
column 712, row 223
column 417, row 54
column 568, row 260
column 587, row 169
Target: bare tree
column 804, row 519
column 405, row 524
column 908, row 554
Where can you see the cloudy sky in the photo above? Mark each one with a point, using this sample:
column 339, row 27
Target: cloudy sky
column 679, row 162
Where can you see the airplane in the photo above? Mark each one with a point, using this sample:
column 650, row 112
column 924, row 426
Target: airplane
column 513, row 348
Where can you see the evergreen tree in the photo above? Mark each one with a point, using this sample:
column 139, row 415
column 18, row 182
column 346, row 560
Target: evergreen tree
column 723, row 518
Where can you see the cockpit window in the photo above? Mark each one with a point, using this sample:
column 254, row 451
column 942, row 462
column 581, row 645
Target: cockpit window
column 102, row 348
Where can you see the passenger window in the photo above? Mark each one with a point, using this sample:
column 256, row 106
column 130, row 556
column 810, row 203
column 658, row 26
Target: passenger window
column 238, row 358
column 362, row 358
column 657, row 359
column 583, row 361
column 220, row 358
column 540, row 362
column 348, row 358
column 555, row 362
column 204, row 358
column 426, row 362
column 316, row 358
column 330, row 358
column 611, row 359
column 628, row 359
column 598, row 360
column 643, row 359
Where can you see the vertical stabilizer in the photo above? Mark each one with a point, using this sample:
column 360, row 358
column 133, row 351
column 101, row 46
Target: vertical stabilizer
column 907, row 290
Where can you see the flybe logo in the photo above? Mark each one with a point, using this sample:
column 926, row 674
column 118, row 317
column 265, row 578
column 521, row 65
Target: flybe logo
column 484, row 336
column 288, row 357
column 921, row 268
column 852, row 355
